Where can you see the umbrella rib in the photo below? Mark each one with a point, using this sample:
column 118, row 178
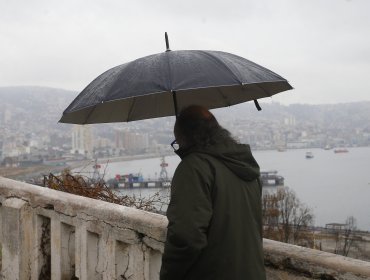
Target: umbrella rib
column 89, row 114
column 131, row 108
column 223, row 96
column 266, row 93
column 173, row 92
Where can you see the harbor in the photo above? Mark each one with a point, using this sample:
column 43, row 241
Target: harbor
column 323, row 183
column 269, row 179
column 137, row 180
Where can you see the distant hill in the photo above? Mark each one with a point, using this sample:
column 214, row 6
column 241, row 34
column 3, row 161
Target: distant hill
column 35, row 97
column 348, row 114
column 46, row 105
column 345, row 114
column 36, row 104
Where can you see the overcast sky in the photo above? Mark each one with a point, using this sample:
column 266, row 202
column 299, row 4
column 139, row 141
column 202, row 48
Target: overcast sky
column 322, row 47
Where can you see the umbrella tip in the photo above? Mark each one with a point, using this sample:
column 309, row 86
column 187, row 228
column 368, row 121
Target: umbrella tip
column 167, row 44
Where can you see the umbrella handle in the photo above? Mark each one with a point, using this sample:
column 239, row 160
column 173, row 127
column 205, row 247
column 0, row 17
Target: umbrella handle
column 257, row 105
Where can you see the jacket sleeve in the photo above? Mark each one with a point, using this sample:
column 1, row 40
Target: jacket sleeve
column 189, row 214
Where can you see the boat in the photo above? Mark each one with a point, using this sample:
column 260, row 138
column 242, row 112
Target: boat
column 61, row 161
column 309, row 155
column 340, row 150
column 271, row 178
column 136, row 180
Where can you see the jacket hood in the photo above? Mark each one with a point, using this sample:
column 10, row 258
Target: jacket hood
column 237, row 157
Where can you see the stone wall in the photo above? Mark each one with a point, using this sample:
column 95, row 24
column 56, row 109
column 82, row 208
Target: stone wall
column 46, row 234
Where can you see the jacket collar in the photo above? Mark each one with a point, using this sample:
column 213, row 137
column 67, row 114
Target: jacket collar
column 183, row 152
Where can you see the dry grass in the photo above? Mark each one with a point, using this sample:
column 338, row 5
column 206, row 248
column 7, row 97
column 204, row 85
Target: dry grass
column 83, row 186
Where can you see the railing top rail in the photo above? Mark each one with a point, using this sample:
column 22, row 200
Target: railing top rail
column 313, row 261
column 150, row 224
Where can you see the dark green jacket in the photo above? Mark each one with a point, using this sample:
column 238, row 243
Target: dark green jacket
column 215, row 221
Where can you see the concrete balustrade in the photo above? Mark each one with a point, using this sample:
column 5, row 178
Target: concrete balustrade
column 46, row 234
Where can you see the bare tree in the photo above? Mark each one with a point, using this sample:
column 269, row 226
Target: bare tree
column 349, row 234
column 302, row 219
column 270, row 216
column 286, row 218
column 344, row 238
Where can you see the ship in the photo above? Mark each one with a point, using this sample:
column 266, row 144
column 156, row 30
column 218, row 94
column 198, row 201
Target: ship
column 271, row 179
column 137, row 180
column 309, row 155
column 340, row 150
column 61, row 161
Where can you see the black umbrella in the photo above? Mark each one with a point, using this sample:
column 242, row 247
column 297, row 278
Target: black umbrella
column 161, row 84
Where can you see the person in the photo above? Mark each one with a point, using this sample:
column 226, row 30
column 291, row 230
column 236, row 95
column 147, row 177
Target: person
column 214, row 215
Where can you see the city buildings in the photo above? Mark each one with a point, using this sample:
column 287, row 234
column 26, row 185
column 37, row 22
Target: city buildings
column 131, row 141
column 30, row 132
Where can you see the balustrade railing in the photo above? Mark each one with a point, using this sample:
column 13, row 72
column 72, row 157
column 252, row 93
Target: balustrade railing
column 47, row 234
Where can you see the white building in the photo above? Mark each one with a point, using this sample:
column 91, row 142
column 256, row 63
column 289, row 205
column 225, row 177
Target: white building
column 290, row 121
column 82, row 140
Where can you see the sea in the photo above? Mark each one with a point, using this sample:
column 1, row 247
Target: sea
column 334, row 185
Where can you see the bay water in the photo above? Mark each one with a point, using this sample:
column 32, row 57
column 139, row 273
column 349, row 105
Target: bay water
column 334, row 185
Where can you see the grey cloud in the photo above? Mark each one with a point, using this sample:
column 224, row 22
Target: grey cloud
column 68, row 43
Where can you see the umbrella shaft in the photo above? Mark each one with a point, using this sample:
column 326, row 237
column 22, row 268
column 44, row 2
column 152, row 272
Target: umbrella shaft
column 175, row 102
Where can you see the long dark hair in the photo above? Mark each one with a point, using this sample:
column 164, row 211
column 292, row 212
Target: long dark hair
column 196, row 126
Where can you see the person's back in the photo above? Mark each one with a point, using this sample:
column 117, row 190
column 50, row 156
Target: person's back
column 214, row 229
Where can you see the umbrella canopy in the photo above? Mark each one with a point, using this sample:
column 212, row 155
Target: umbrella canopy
column 145, row 88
